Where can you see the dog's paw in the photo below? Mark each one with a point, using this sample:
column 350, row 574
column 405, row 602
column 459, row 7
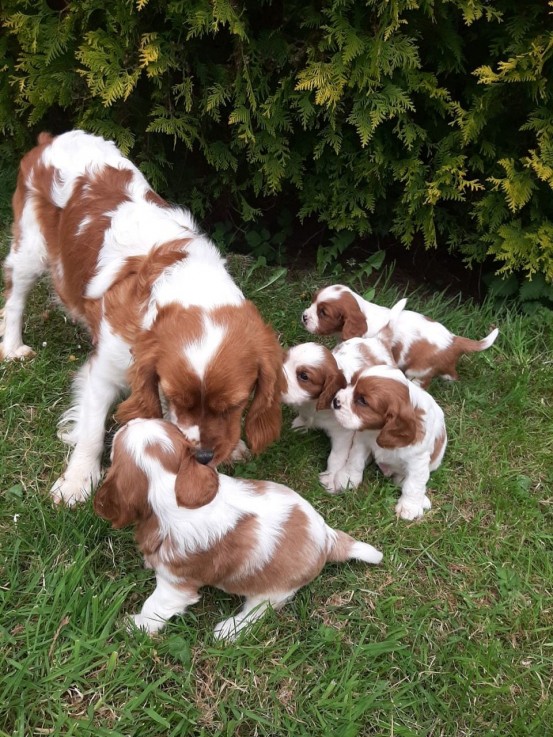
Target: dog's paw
column 410, row 510
column 347, row 479
column 67, row 433
column 228, row 630
column 139, row 621
column 326, row 479
column 240, row 453
column 72, row 489
column 300, row 424
column 20, row 353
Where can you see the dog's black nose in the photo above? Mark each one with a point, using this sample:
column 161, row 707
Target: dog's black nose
column 304, row 317
column 336, row 403
column 203, row 456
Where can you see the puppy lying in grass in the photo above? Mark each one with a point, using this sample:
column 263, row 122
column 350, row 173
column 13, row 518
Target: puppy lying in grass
column 195, row 528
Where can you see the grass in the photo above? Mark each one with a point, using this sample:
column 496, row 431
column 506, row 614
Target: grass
column 452, row 635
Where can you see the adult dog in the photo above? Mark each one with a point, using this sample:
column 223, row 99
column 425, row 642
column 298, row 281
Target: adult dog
column 164, row 315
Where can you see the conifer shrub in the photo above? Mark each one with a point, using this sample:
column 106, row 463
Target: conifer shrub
column 411, row 119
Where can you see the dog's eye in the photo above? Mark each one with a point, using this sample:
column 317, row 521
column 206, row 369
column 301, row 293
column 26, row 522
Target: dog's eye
column 361, row 400
column 302, row 376
column 322, row 312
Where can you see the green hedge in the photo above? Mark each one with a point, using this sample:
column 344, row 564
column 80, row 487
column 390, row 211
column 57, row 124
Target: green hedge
column 408, row 118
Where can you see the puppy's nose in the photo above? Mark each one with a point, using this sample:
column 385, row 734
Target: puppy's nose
column 203, row 456
column 304, row 318
column 336, row 403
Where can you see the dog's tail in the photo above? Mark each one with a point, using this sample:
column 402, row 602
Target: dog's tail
column 344, row 547
column 44, row 138
column 397, row 309
column 466, row 345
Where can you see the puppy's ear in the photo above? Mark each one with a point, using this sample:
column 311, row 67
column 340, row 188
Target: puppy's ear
column 144, row 399
column 355, row 323
column 196, row 484
column 334, row 381
column 264, row 419
column 123, row 497
column 355, row 326
column 400, row 428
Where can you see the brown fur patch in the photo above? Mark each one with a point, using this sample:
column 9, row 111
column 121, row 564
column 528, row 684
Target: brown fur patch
column 424, row 356
column 438, row 445
column 126, row 301
column 8, row 282
column 220, row 565
column 196, row 484
column 341, row 315
column 83, row 223
column 123, row 497
column 388, row 408
column 155, row 199
column 371, row 358
column 323, row 380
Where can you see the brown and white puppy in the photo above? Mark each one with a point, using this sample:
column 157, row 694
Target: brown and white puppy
column 313, row 375
column 422, row 348
column 401, row 425
column 196, row 528
column 164, row 315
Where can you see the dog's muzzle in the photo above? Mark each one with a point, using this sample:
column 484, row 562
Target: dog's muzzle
column 203, row 456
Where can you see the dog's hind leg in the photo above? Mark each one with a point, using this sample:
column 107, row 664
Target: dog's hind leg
column 254, row 608
column 26, row 262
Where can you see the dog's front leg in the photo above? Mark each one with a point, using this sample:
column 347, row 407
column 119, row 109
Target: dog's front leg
column 352, row 464
column 96, row 387
column 167, row 600
column 341, row 441
column 413, row 501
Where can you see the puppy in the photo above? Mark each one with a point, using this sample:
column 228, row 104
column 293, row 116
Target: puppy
column 422, row 348
column 313, row 375
column 401, row 425
column 195, row 528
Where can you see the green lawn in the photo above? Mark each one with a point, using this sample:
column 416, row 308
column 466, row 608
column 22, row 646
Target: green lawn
column 451, row 635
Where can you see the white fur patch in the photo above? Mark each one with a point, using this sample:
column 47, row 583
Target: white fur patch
column 351, row 355
column 201, row 353
column 345, row 414
column 77, row 153
column 190, row 432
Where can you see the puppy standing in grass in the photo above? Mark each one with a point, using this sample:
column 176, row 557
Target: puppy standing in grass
column 422, row 348
column 197, row 528
column 400, row 425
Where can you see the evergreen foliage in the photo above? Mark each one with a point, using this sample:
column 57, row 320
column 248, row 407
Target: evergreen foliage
column 419, row 119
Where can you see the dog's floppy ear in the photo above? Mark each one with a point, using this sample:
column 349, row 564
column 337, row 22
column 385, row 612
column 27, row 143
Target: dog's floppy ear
column 334, row 381
column 123, row 497
column 264, row 418
column 196, row 484
column 355, row 325
column 355, row 322
column 143, row 379
column 400, row 428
